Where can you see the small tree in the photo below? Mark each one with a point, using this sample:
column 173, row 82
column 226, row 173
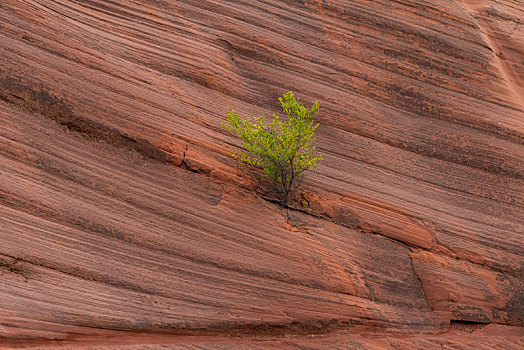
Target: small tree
column 283, row 149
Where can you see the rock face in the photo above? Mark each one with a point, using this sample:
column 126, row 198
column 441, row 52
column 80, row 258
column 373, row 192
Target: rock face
column 124, row 221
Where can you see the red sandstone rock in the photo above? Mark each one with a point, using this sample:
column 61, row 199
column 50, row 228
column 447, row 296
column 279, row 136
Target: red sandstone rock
column 122, row 211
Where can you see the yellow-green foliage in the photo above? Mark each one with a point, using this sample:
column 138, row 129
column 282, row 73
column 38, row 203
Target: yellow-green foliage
column 283, row 149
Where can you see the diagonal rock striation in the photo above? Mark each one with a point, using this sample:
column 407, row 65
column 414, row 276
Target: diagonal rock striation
column 125, row 222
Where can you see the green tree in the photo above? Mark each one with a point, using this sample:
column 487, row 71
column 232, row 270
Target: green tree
column 283, row 149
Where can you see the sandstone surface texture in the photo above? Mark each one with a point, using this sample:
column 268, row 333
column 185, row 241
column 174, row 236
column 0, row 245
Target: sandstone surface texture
column 126, row 223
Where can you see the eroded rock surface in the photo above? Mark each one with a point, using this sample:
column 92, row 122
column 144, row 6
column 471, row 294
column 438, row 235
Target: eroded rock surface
column 124, row 221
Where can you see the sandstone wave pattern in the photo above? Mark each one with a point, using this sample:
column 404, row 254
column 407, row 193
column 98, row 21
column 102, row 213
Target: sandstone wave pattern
column 126, row 223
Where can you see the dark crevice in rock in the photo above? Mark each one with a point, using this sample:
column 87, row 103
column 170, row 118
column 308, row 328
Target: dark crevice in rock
column 467, row 326
column 420, row 283
column 10, row 264
column 186, row 163
column 41, row 101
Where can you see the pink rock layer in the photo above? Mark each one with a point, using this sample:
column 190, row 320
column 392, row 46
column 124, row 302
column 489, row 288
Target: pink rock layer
column 125, row 222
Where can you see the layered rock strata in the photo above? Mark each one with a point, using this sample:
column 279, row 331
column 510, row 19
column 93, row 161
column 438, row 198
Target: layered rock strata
column 123, row 212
